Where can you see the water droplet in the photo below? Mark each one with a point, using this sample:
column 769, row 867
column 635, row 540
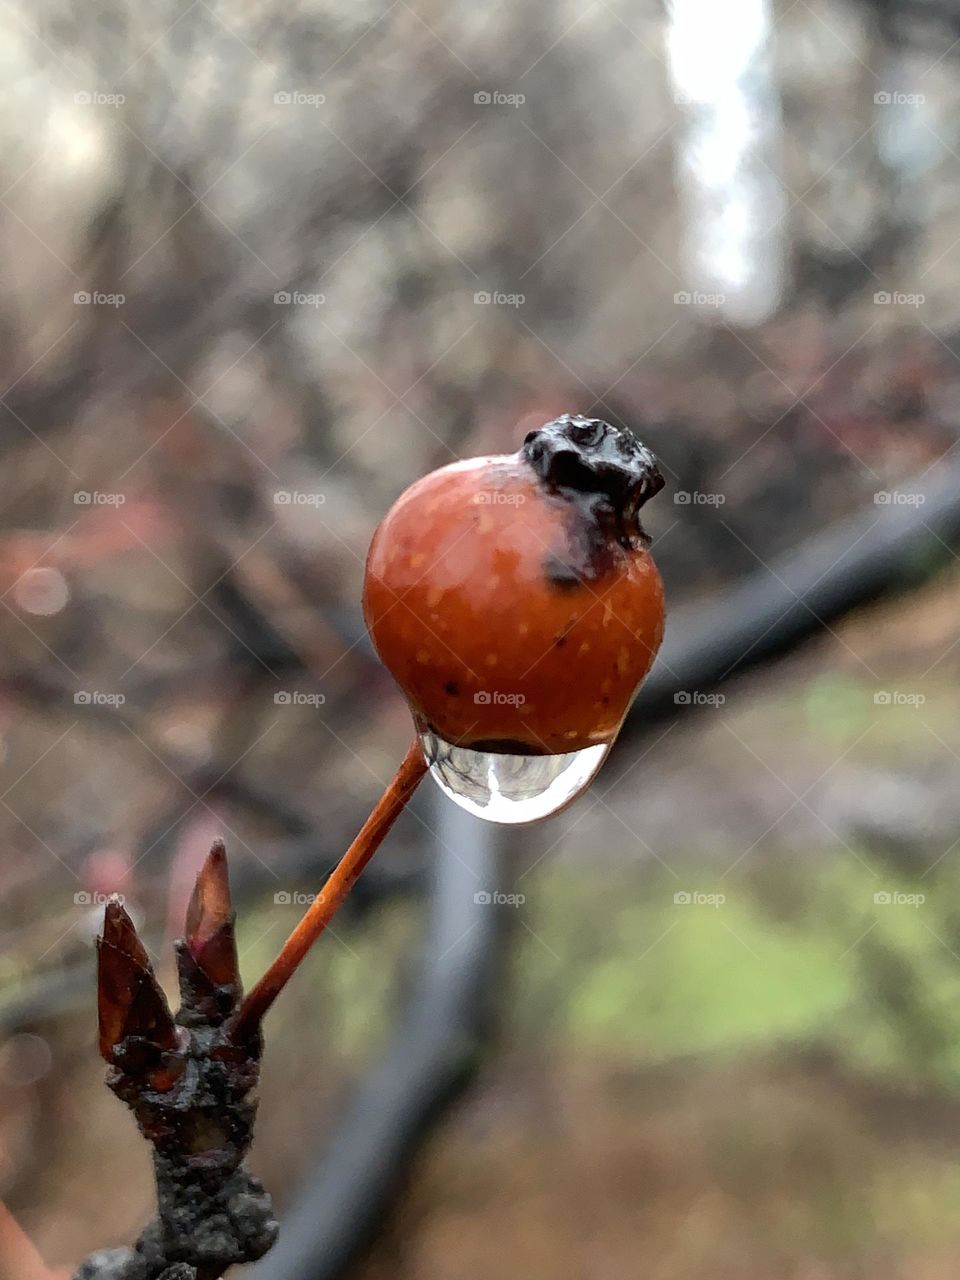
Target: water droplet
column 510, row 788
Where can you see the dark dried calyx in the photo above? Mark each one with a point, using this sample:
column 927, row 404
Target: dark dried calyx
column 605, row 467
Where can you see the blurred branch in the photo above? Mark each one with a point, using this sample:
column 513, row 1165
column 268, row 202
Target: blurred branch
column 47, row 696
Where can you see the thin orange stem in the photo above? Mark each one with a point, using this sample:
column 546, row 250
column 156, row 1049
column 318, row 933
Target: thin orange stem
column 324, row 907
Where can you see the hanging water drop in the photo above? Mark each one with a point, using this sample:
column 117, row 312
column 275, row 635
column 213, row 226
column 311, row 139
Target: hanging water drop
column 508, row 788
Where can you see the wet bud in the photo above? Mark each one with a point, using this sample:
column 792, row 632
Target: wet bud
column 207, row 959
column 136, row 1026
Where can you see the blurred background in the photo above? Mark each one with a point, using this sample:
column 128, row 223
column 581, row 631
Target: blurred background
column 262, row 267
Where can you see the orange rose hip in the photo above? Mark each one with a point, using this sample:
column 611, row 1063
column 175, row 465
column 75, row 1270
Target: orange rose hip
column 513, row 597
